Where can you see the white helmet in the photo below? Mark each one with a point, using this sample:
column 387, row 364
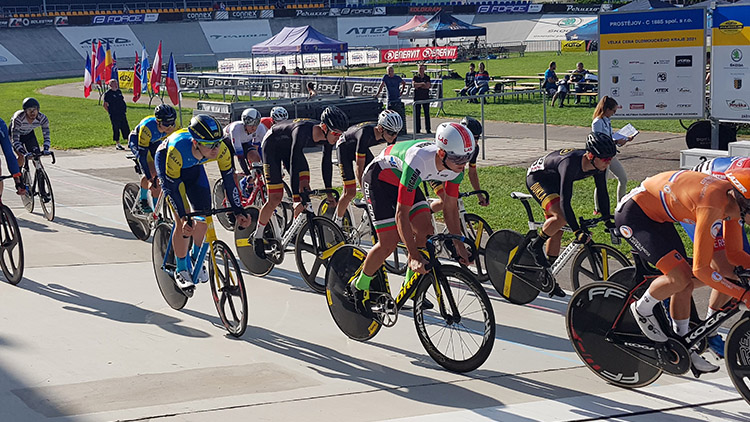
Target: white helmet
column 251, row 117
column 279, row 113
column 456, row 140
column 390, row 120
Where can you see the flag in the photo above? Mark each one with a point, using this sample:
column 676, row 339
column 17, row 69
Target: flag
column 108, row 62
column 100, row 63
column 171, row 81
column 136, row 79
column 115, row 74
column 144, row 70
column 87, row 77
column 156, row 72
column 94, row 75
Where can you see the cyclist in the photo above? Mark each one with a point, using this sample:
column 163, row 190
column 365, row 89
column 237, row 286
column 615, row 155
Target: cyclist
column 143, row 141
column 278, row 114
column 550, row 180
column 398, row 207
column 353, row 150
column 284, row 145
column 22, row 127
column 179, row 164
column 243, row 137
column 476, row 129
column 646, row 217
column 11, row 161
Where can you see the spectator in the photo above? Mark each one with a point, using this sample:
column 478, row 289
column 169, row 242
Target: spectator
column 394, row 85
column 421, row 83
column 481, row 82
column 468, row 80
column 114, row 103
column 283, row 71
column 604, row 110
column 579, row 78
column 222, row 6
column 550, row 79
column 562, row 91
column 297, row 71
column 311, row 90
column 216, row 6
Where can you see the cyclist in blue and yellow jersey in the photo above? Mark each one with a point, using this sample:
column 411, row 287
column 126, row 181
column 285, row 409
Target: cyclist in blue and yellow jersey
column 10, row 159
column 143, row 141
column 284, row 145
column 179, row 164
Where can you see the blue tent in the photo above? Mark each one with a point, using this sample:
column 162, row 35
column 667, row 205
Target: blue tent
column 590, row 31
column 300, row 39
column 442, row 25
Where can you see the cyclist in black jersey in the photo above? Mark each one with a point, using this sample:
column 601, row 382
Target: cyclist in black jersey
column 550, row 180
column 476, row 129
column 284, row 145
column 353, row 150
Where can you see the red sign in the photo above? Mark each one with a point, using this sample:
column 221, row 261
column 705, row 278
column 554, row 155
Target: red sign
column 418, row 54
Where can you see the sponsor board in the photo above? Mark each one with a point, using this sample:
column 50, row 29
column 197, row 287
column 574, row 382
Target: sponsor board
column 235, row 36
column 577, row 45
column 730, row 94
column 198, row 16
column 311, row 13
column 351, row 11
column 501, row 8
column 61, row 21
column 554, row 27
column 25, row 22
column 121, row 38
column 368, row 31
column 419, row 54
column 128, row 19
column 419, row 10
column 571, row 8
column 7, row 58
column 243, row 14
column 4, row 23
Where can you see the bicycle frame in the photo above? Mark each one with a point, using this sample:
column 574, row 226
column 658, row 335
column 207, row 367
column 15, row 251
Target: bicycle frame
column 204, row 249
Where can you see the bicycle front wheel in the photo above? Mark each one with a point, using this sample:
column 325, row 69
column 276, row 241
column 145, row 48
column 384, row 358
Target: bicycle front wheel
column 46, row 196
column 11, row 246
column 313, row 247
column 165, row 268
column 598, row 265
column 218, row 197
column 458, row 332
column 479, row 230
column 130, row 196
column 28, row 197
column 228, row 289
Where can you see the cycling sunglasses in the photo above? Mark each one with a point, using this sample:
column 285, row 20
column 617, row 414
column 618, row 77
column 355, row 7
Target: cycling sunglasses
column 210, row 145
column 390, row 132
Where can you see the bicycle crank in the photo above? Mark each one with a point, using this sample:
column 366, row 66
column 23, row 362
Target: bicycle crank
column 274, row 253
column 384, row 310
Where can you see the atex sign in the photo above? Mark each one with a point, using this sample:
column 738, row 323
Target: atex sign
column 124, row 19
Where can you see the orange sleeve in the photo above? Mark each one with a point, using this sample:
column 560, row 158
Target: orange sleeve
column 733, row 233
column 703, row 249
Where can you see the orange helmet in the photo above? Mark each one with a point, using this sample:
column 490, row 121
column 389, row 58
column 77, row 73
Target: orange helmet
column 740, row 179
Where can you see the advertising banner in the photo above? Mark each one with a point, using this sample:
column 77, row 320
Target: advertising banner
column 234, row 36
column 554, row 27
column 503, row 7
column 7, row 58
column 121, row 39
column 4, row 23
column 357, row 11
column 575, row 8
column 369, row 31
column 26, row 22
column 653, row 62
column 573, row 46
column 419, row 54
column 730, row 52
column 126, row 79
column 124, row 19
column 265, row 64
column 61, row 21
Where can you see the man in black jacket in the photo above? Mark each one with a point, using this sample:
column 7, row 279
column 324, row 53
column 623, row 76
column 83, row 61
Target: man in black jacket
column 115, row 105
column 469, row 80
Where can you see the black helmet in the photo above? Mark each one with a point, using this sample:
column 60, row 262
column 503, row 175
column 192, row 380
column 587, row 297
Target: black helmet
column 335, row 119
column 205, row 129
column 601, row 145
column 165, row 114
column 474, row 126
column 30, row 103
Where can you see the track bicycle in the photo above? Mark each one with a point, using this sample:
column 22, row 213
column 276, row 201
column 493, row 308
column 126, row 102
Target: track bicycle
column 142, row 224
column 38, row 184
column 608, row 340
column 452, row 313
column 11, row 244
column 516, row 276
column 315, row 239
column 225, row 276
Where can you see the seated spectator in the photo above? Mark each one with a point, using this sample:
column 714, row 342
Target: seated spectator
column 297, row 71
column 311, row 90
column 468, row 80
column 481, row 82
column 562, row 91
column 550, row 79
column 579, row 77
column 283, row 71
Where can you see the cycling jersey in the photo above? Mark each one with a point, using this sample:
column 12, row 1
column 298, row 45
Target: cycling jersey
column 239, row 136
column 21, row 127
column 267, row 122
column 355, row 143
column 718, row 166
column 550, row 180
column 284, row 145
column 10, row 159
column 183, row 176
column 144, row 140
column 691, row 197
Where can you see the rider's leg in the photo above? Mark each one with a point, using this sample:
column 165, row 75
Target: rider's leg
column 421, row 223
column 350, row 191
column 274, row 187
column 266, row 211
column 383, row 248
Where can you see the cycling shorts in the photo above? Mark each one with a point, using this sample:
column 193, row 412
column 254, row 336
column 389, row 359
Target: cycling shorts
column 276, row 155
column 29, row 142
column 658, row 243
column 381, row 200
column 545, row 191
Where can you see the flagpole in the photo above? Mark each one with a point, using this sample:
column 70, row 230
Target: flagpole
column 179, row 107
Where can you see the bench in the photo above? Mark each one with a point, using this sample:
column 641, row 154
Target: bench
column 519, row 48
column 591, row 95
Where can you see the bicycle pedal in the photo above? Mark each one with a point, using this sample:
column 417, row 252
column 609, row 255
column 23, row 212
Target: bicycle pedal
column 189, row 291
column 557, row 291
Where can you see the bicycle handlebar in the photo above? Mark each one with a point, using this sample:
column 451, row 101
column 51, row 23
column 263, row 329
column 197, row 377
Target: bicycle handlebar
column 305, row 195
column 447, row 241
column 35, row 154
column 476, row 192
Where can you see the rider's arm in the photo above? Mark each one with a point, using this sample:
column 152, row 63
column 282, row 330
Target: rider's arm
column 45, row 130
column 327, row 165
column 361, row 165
column 450, row 209
column 10, row 159
column 144, row 141
column 474, row 177
column 733, row 242
column 227, row 176
column 602, row 194
column 703, row 249
column 16, row 133
column 171, row 181
column 566, row 193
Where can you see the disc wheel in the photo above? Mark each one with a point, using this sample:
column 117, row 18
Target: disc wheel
column 599, row 265
column 130, row 206
column 479, row 231
column 173, row 295
column 11, row 246
column 243, row 241
column 313, row 247
column 228, row 289
column 459, row 342
column 218, row 197
column 46, row 196
column 500, row 249
column 737, row 356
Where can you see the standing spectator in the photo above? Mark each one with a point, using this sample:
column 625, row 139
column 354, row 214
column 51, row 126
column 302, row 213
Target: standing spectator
column 468, row 80
column 216, row 6
column 421, row 83
column 481, row 82
column 115, row 105
column 222, row 6
column 283, row 71
column 394, row 85
column 579, row 77
column 311, row 90
column 550, row 79
column 607, row 108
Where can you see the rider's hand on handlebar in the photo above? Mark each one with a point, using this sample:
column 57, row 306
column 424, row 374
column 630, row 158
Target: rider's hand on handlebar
column 418, row 264
column 483, row 201
column 330, row 199
column 582, row 236
column 20, row 187
column 187, row 227
column 463, row 254
column 243, row 221
column 610, row 224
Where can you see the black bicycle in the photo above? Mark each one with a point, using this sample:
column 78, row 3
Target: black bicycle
column 38, row 184
column 11, row 245
column 452, row 312
column 142, row 224
column 608, row 340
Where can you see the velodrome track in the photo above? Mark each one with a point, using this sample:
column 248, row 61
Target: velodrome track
column 86, row 335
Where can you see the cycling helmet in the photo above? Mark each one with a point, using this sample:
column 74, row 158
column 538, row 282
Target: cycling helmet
column 279, row 113
column 740, row 180
column 165, row 114
column 30, row 103
column 251, row 117
column 205, row 129
column 390, row 120
column 457, row 142
column 601, row 145
column 335, row 119
column 474, row 126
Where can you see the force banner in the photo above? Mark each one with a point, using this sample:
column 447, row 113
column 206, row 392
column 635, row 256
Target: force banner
column 419, row 54
column 730, row 94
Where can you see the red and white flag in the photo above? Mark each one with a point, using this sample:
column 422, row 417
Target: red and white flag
column 156, row 72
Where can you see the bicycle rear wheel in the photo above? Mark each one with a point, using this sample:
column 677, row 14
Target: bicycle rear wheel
column 243, row 242
column 11, row 246
column 313, row 247
column 605, row 261
column 500, row 249
column 479, row 231
column 458, row 343
column 28, row 197
column 228, row 289
column 737, row 355
column 137, row 223
column 173, row 295
column 46, row 196
column 218, row 197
